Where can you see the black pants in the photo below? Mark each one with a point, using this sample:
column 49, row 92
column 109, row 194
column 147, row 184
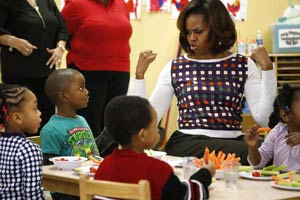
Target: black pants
column 37, row 86
column 102, row 87
column 181, row 144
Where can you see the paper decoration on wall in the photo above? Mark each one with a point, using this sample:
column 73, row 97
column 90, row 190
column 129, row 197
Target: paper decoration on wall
column 158, row 5
column 134, row 7
column 177, row 6
column 237, row 8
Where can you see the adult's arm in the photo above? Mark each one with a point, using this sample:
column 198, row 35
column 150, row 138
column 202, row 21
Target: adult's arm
column 260, row 92
column 6, row 39
column 62, row 35
column 162, row 94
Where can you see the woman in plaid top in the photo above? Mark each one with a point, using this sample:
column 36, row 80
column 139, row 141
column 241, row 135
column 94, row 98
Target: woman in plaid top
column 209, row 83
column 20, row 159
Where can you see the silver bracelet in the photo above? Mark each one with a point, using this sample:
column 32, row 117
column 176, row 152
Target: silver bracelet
column 61, row 47
column 11, row 48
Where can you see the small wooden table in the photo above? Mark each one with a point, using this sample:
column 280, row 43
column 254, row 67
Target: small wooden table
column 68, row 182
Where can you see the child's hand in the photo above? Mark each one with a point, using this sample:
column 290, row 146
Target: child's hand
column 251, row 136
column 145, row 58
column 210, row 166
column 293, row 138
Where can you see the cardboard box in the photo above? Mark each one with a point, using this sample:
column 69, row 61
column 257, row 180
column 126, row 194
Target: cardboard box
column 286, row 38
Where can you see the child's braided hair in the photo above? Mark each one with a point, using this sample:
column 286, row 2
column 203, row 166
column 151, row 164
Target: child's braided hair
column 283, row 101
column 11, row 96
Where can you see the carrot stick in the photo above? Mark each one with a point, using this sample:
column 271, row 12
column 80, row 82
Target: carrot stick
column 263, row 130
column 206, row 155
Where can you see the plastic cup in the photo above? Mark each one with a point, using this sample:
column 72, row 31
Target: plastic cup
column 231, row 173
column 189, row 167
column 242, row 48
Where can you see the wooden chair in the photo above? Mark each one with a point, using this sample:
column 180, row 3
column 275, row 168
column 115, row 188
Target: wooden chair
column 89, row 188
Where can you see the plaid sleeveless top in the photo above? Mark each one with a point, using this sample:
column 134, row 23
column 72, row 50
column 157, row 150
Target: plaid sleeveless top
column 209, row 94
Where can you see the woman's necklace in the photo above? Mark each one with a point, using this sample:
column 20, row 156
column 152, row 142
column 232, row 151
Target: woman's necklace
column 33, row 4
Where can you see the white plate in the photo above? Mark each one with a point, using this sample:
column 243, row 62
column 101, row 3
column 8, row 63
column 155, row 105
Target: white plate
column 284, row 187
column 84, row 170
column 248, row 175
column 68, row 162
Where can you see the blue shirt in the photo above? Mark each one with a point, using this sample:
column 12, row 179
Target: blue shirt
column 68, row 137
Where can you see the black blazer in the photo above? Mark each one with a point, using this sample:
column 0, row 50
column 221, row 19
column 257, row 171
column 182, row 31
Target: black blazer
column 20, row 19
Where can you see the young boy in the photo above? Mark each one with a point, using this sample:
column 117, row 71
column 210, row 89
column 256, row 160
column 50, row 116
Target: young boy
column 20, row 159
column 132, row 122
column 66, row 133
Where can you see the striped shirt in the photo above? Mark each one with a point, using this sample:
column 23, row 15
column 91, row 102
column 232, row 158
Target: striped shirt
column 275, row 147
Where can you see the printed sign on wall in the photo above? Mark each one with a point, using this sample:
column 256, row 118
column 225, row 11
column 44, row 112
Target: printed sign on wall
column 289, row 38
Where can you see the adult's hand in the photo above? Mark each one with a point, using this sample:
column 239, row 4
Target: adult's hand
column 55, row 59
column 251, row 136
column 23, row 46
column 145, row 58
column 261, row 57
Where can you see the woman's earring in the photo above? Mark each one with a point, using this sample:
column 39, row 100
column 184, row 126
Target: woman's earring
column 220, row 43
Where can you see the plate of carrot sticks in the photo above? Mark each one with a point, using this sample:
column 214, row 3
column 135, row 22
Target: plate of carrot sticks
column 217, row 159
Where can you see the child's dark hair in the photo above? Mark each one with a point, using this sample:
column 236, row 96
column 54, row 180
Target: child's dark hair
column 11, row 96
column 221, row 28
column 283, row 102
column 59, row 80
column 125, row 116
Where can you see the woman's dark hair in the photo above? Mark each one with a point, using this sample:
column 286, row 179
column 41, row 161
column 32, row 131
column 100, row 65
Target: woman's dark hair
column 11, row 96
column 125, row 116
column 221, row 28
column 283, row 102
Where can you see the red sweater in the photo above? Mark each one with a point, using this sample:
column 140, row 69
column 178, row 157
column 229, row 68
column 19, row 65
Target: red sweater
column 99, row 35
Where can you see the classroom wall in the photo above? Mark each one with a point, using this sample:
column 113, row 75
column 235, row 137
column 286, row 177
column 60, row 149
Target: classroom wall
column 158, row 32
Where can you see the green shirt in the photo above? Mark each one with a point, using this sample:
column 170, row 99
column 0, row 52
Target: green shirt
column 68, row 137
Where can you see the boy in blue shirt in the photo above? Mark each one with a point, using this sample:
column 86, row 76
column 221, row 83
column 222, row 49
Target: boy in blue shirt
column 67, row 134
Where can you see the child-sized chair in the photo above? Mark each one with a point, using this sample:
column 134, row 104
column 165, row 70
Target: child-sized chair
column 90, row 187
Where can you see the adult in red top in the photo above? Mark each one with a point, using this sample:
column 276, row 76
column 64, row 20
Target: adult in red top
column 99, row 48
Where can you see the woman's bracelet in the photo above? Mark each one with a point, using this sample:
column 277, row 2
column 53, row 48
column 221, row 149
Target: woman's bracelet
column 11, row 48
column 62, row 47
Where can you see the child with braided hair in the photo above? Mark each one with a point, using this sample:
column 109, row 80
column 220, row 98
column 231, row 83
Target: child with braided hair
column 20, row 159
column 283, row 142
